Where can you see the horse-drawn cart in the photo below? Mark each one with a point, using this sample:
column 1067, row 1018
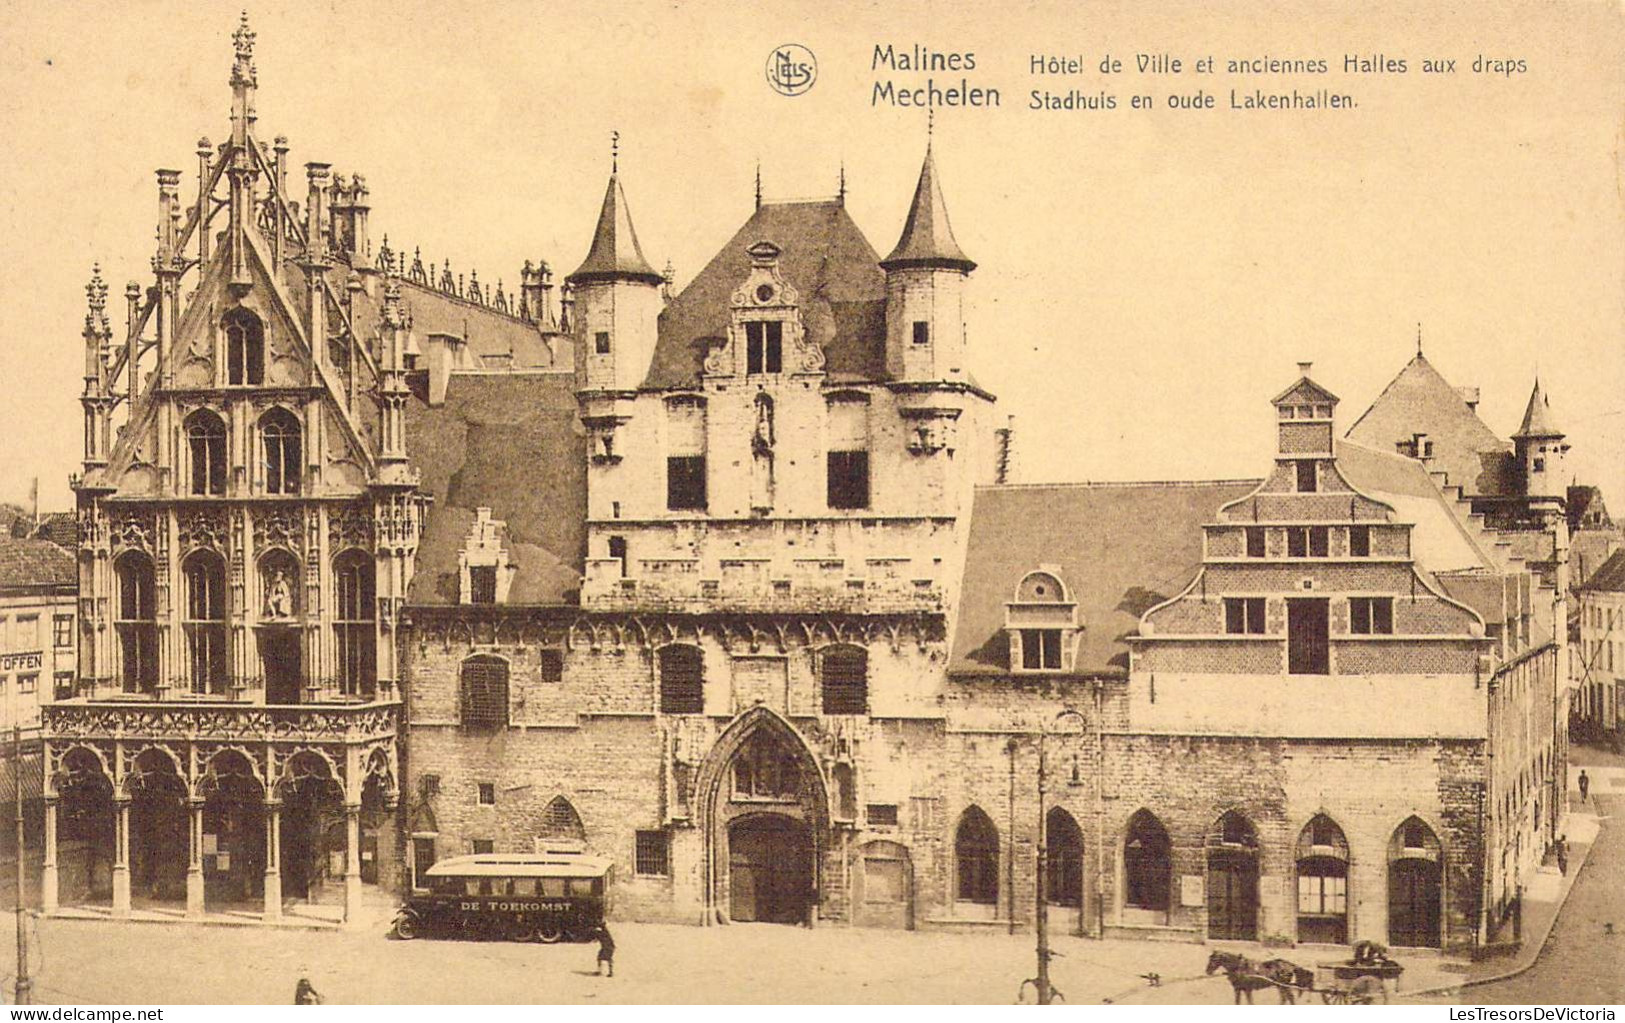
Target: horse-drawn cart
column 1351, row 982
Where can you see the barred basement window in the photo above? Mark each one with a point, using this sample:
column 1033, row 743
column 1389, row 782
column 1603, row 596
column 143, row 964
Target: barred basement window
column 845, row 678
column 1255, row 541
column 682, row 682
column 482, row 845
column 884, row 814
column 1371, row 616
column 652, row 857
column 485, row 693
column 488, row 794
column 1359, row 541
column 1244, row 616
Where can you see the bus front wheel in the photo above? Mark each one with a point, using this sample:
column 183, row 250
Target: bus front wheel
column 549, row 933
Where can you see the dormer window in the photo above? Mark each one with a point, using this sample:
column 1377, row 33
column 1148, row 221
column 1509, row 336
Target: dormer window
column 764, row 347
column 485, row 571
column 1041, row 623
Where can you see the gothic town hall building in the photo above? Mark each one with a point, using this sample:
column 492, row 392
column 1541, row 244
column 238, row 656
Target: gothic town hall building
column 380, row 566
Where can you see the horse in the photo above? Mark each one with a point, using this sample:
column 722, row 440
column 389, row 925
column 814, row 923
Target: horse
column 1289, row 977
column 1244, row 974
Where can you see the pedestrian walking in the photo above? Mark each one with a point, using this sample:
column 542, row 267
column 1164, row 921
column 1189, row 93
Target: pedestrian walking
column 1563, row 855
column 606, row 950
column 1585, row 785
column 305, row 993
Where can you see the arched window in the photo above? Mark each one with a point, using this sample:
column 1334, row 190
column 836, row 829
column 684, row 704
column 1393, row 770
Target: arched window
column 844, row 680
column 1323, row 873
column 1415, row 886
column 560, row 822
column 279, row 442
column 682, row 680
column 245, row 348
column 206, row 448
column 355, row 582
column 1063, row 843
column 204, row 573
column 1147, row 867
column 136, row 623
column 485, row 693
column 976, row 850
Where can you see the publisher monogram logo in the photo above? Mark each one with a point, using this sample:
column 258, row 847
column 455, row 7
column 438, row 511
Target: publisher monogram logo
column 791, row 69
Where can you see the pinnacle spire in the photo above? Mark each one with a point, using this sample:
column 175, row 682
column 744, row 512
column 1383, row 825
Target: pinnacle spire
column 1537, row 417
column 928, row 240
column 615, row 253
column 242, row 71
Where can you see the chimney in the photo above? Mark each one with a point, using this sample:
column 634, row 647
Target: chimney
column 1304, row 368
column 1004, row 466
column 1470, row 396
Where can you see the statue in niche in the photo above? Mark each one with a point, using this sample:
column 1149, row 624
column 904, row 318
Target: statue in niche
column 279, row 595
column 761, row 451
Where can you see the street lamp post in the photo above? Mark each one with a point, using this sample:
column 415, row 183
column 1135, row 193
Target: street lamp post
column 1041, row 910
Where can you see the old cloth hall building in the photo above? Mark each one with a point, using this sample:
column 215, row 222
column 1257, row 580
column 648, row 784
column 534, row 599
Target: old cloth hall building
column 719, row 583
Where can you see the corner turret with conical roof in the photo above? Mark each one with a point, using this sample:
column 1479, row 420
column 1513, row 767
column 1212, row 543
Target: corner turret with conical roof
column 1541, row 449
column 925, row 289
column 617, row 300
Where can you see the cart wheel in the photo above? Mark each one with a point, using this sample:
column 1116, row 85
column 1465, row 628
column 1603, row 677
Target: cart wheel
column 406, row 927
column 549, row 933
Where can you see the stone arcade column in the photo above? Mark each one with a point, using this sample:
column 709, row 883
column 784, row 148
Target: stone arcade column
column 273, row 859
column 121, row 856
column 194, row 860
column 352, row 863
column 48, row 893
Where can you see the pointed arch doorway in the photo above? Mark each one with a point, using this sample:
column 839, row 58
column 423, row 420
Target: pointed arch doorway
column 766, row 815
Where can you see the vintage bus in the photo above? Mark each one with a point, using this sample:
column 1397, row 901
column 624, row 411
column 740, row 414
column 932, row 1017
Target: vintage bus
column 548, row 896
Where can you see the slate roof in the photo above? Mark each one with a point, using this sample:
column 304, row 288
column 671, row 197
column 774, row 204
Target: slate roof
column 928, row 239
column 31, row 564
column 1537, row 416
column 61, row 528
column 824, row 256
column 1610, row 578
column 615, row 253
column 508, row 442
column 1119, row 547
column 1419, row 400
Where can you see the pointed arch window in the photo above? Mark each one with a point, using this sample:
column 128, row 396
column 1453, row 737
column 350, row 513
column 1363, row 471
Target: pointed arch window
column 204, row 574
column 245, row 348
column 1147, row 864
column 976, row 852
column 844, row 680
column 1323, row 872
column 356, row 638
column 765, row 769
column 1063, row 840
column 561, row 823
column 137, row 623
column 485, row 693
column 206, row 448
column 280, row 444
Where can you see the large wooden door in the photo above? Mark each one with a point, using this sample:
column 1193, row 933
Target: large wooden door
column 1308, row 645
column 1232, row 896
column 769, row 869
column 1413, row 903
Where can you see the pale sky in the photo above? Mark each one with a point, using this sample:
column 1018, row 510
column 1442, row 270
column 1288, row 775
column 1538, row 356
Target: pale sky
column 1147, row 280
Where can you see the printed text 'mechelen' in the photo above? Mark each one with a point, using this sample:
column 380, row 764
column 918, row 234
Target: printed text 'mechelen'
column 930, row 93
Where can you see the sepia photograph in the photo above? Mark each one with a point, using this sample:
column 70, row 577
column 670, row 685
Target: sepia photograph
column 541, row 502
